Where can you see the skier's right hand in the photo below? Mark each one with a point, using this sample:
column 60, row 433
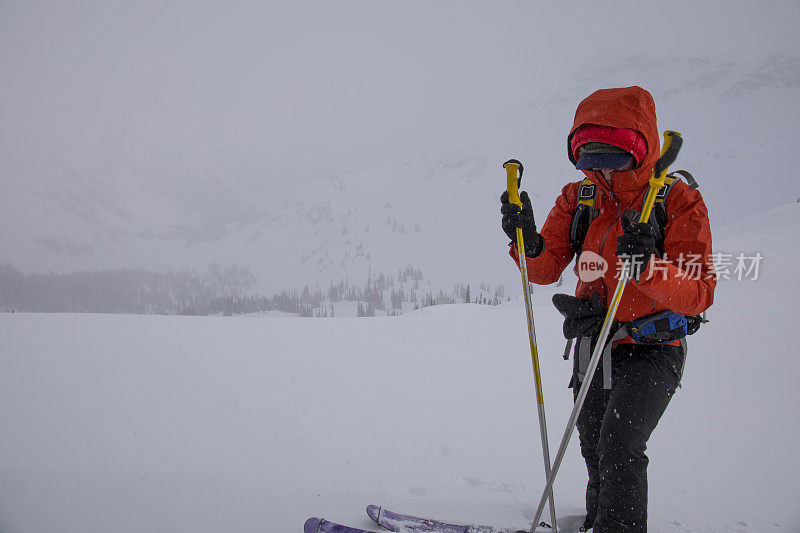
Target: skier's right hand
column 515, row 217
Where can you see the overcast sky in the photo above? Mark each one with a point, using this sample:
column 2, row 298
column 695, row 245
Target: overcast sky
column 339, row 83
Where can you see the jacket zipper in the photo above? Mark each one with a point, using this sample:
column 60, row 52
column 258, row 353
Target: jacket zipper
column 616, row 219
column 605, row 237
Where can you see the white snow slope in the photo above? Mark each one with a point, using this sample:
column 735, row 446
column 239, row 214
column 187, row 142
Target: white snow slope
column 188, row 424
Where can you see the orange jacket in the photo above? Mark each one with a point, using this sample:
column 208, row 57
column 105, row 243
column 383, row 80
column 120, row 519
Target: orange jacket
column 684, row 280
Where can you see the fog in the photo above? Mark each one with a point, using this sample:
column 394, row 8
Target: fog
column 172, row 135
column 321, row 85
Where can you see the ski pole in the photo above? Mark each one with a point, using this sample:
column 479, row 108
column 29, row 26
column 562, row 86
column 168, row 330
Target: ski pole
column 512, row 186
column 672, row 144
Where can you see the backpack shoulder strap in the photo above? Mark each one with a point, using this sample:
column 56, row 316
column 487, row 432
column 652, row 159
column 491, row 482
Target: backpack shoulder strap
column 587, row 192
column 670, row 181
column 585, row 212
column 685, row 174
column 659, row 217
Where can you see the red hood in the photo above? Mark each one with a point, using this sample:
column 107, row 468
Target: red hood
column 627, row 107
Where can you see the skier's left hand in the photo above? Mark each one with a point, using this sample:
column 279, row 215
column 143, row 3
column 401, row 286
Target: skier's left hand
column 521, row 217
column 637, row 243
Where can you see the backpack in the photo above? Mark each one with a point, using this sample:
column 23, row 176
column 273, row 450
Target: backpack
column 585, row 211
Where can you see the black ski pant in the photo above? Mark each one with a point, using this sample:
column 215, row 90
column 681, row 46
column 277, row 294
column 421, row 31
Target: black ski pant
column 614, row 426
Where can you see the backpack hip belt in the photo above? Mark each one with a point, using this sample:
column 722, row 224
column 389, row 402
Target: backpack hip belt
column 659, row 328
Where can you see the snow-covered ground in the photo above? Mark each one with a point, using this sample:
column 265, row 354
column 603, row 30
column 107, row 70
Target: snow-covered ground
column 208, row 424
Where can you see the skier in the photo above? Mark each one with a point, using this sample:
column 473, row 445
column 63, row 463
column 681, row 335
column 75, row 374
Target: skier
column 615, row 142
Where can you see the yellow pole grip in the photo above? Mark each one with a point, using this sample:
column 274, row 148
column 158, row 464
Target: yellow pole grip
column 512, row 183
column 512, row 186
column 659, row 174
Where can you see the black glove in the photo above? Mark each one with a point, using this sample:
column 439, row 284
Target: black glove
column 637, row 243
column 515, row 217
column 582, row 316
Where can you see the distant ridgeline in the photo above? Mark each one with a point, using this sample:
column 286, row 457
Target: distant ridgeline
column 226, row 291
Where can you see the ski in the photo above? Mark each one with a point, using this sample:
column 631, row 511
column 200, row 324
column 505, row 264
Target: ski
column 402, row 523
column 319, row 525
